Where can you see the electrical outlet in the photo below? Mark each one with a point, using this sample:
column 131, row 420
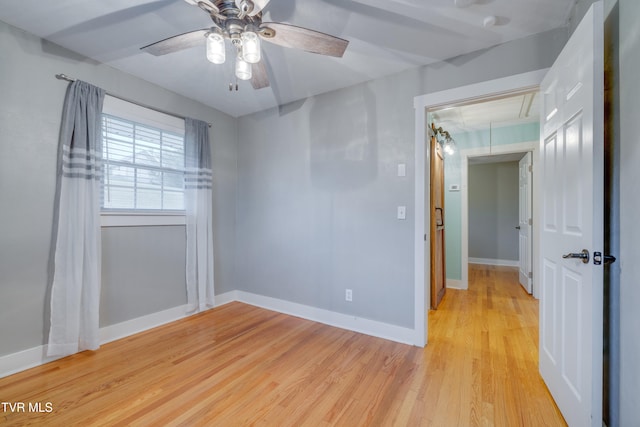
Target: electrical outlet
column 348, row 295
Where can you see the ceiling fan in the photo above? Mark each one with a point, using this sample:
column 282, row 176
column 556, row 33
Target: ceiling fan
column 240, row 21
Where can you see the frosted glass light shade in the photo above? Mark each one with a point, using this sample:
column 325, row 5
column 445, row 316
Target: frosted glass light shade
column 450, row 146
column 250, row 47
column 243, row 68
column 215, row 48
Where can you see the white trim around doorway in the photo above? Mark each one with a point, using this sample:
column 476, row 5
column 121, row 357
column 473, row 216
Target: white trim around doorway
column 474, row 92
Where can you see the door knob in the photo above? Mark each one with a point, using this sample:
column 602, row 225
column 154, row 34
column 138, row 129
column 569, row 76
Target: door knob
column 517, row 227
column 584, row 256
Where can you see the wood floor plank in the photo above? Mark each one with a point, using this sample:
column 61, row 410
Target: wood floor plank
column 239, row 365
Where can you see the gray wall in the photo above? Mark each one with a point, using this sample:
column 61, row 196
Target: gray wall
column 493, row 211
column 318, row 191
column 629, row 108
column 317, row 202
column 143, row 271
column 143, row 267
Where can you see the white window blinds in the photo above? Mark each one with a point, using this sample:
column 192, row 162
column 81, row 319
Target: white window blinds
column 144, row 159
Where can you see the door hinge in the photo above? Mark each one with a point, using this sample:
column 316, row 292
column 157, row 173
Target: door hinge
column 530, row 221
column 530, row 168
column 531, row 275
column 425, row 237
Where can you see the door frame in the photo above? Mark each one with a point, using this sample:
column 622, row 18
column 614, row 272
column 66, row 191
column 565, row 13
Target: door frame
column 521, row 147
column 474, row 92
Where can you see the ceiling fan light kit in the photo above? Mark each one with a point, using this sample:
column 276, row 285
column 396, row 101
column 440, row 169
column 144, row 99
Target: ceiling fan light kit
column 240, row 21
column 250, row 47
column 216, row 50
column 243, row 68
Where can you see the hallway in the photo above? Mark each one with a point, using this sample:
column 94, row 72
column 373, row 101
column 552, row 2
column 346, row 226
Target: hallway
column 484, row 342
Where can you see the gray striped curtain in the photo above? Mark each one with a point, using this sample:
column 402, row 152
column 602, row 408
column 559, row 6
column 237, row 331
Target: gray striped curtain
column 198, row 206
column 75, row 293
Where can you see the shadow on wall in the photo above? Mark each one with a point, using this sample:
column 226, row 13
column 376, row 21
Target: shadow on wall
column 344, row 146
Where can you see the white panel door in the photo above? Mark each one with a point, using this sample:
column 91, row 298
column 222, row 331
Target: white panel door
column 571, row 294
column 524, row 222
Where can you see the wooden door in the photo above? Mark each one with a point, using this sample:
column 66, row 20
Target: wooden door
column 438, row 273
column 571, row 232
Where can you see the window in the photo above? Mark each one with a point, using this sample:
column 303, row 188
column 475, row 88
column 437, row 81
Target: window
column 144, row 161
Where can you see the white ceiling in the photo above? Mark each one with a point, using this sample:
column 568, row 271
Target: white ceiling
column 386, row 36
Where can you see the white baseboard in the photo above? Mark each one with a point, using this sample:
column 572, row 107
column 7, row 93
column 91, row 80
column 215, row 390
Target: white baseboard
column 457, row 284
column 225, row 298
column 23, row 360
column 344, row 321
column 153, row 320
column 491, row 261
column 20, row 361
column 140, row 324
column 36, row 356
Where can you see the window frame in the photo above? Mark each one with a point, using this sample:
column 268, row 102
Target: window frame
column 110, row 217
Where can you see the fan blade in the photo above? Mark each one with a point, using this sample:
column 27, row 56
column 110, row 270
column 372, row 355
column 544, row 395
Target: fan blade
column 305, row 39
column 259, row 77
column 258, row 5
column 176, row 43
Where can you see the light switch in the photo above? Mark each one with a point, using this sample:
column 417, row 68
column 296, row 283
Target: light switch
column 402, row 212
column 402, row 169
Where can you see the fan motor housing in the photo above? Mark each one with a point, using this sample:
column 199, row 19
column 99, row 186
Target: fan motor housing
column 232, row 22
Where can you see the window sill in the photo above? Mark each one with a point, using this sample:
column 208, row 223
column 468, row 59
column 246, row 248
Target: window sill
column 130, row 219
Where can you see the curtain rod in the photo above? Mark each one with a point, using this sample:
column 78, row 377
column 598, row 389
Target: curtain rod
column 62, row 76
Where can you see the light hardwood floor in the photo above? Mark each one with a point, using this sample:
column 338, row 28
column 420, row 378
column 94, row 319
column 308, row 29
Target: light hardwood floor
column 240, row 365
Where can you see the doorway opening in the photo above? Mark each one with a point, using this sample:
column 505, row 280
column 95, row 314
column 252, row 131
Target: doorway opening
column 442, row 101
column 488, row 184
column 500, row 213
